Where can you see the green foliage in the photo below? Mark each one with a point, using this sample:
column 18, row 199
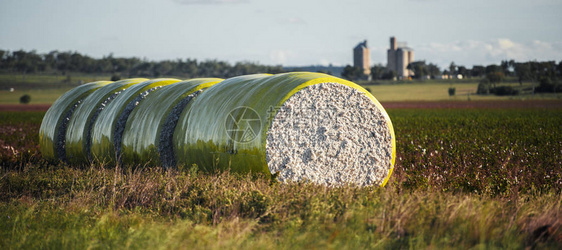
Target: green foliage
column 378, row 72
column 548, row 85
column 493, row 68
column 421, row 69
column 504, row 90
column 452, row 91
column 483, row 87
column 494, row 152
column 478, row 71
column 63, row 62
column 495, row 77
column 453, row 68
column 25, row 99
column 352, row 73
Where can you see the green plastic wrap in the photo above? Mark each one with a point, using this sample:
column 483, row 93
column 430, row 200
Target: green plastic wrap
column 108, row 128
column 158, row 112
column 207, row 134
column 306, row 126
column 78, row 139
column 53, row 127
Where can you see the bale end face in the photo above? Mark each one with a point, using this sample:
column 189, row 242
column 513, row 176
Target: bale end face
column 330, row 134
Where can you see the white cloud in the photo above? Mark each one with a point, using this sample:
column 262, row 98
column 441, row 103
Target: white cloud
column 281, row 56
column 210, row 1
column 505, row 43
column 473, row 52
column 324, row 62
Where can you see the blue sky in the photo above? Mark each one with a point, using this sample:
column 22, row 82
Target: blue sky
column 289, row 32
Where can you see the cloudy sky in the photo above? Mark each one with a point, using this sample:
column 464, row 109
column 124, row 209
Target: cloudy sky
column 288, row 32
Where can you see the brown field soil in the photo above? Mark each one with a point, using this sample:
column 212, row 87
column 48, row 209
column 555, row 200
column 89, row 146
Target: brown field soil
column 24, row 107
column 386, row 105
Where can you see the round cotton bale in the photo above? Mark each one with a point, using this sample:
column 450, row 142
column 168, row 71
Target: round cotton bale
column 147, row 137
column 78, row 133
column 295, row 126
column 52, row 133
column 107, row 130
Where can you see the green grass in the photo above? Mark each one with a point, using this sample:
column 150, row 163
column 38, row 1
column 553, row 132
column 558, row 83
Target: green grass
column 45, row 89
column 38, row 96
column 435, row 91
column 185, row 212
column 463, row 179
column 47, row 80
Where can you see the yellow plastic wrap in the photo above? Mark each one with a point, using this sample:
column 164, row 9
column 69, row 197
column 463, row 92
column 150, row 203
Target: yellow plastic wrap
column 206, row 136
column 154, row 121
column 53, row 127
column 108, row 128
column 78, row 138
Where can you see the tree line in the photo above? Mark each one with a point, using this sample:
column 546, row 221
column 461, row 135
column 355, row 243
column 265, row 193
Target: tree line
column 64, row 62
column 523, row 71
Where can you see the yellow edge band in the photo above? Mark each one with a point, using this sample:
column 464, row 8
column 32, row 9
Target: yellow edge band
column 204, row 85
column 364, row 91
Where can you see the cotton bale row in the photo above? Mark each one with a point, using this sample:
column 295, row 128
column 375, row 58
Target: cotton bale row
column 295, row 126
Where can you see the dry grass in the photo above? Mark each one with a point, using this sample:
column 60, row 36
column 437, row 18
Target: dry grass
column 464, row 195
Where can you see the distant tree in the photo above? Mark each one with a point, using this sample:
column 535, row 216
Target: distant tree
column 452, row 68
column 389, row 75
column 50, row 60
column 3, row 55
column 506, row 67
column 452, row 91
column 419, row 68
column 483, row 87
column 478, row 71
column 378, row 71
column 523, row 72
column 433, row 70
column 26, row 62
column 142, row 69
column 495, row 77
column 162, row 68
column 352, row 73
column 462, row 71
column 190, row 67
column 103, row 66
column 63, row 63
column 25, row 99
column 492, row 68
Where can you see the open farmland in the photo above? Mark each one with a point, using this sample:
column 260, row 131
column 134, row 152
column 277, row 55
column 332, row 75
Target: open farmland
column 45, row 89
column 463, row 178
column 437, row 90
